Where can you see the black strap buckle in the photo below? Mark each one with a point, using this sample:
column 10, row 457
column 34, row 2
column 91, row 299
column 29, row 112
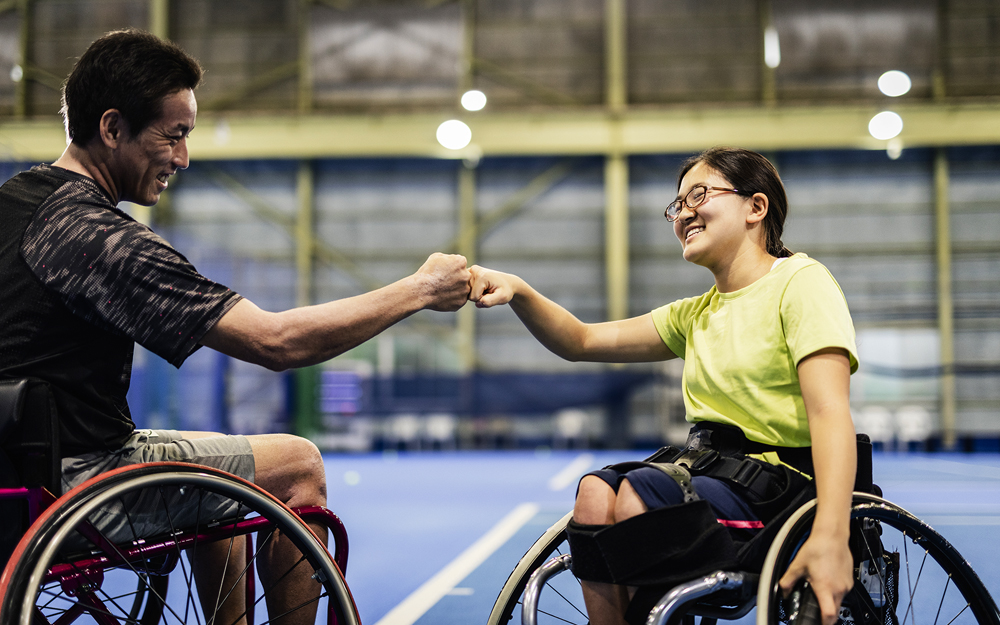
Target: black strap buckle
column 697, row 460
column 747, row 473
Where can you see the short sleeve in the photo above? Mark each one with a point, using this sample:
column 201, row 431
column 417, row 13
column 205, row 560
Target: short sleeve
column 116, row 273
column 673, row 321
column 815, row 316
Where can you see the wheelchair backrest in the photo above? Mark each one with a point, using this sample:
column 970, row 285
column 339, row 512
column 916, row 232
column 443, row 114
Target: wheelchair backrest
column 29, row 433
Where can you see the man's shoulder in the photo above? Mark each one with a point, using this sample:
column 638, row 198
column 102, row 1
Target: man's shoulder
column 48, row 186
column 31, row 187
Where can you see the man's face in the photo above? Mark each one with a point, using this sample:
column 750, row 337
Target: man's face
column 146, row 161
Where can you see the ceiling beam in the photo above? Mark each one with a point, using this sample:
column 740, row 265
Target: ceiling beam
column 558, row 132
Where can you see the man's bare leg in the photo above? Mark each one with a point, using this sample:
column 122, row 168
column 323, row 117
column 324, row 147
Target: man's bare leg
column 223, row 596
column 291, row 469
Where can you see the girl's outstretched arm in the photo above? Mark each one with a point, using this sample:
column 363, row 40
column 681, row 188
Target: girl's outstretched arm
column 628, row 340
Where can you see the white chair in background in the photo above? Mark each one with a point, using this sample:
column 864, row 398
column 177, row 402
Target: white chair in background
column 439, row 430
column 402, row 430
column 570, row 429
column 913, row 425
column 877, row 423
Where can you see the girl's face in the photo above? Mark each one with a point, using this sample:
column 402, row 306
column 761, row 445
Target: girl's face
column 714, row 230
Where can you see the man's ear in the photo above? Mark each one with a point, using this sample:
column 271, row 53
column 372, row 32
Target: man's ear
column 758, row 208
column 113, row 129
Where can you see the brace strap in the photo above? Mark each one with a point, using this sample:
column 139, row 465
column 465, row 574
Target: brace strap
column 661, row 545
column 677, row 473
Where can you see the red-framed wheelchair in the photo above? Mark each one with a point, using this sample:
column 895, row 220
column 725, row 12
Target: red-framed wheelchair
column 134, row 545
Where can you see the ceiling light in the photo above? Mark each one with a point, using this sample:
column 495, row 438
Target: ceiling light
column 885, row 125
column 772, row 49
column 454, row 134
column 473, row 100
column 894, row 83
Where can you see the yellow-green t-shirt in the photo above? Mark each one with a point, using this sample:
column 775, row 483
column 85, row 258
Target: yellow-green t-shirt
column 741, row 349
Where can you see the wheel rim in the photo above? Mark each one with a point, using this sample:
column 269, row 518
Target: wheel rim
column 933, row 586
column 53, row 598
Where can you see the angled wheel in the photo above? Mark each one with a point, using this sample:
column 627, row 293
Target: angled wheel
column 906, row 572
column 560, row 602
column 104, row 552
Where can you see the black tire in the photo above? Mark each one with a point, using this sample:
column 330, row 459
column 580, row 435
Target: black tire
column 55, row 540
column 941, row 588
column 561, row 596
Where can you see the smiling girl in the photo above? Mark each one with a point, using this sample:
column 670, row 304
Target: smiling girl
column 768, row 352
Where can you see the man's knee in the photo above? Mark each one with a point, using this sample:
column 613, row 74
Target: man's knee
column 290, row 467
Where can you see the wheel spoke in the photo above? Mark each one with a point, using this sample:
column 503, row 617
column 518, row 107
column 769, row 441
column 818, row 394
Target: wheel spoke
column 118, row 589
column 188, row 575
column 945, row 592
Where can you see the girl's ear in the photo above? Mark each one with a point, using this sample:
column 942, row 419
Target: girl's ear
column 758, row 208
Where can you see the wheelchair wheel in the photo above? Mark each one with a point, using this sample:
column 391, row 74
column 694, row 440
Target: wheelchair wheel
column 562, row 599
column 905, row 572
column 105, row 551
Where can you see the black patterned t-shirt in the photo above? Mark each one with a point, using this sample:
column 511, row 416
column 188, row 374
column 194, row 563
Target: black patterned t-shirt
column 80, row 281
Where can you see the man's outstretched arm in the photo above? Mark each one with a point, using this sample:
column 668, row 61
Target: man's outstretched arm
column 312, row 334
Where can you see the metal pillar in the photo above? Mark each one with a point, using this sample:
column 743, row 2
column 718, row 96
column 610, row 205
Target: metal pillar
column 305, row 416
column 305, row 94
column 304, row 235
column 466, row 79
column 768, row 85
column 468, row 235
column 468, row 221
column 616, row 239
column 946, row 313
column 21, row 95
column 159, row 18
column 615, row 55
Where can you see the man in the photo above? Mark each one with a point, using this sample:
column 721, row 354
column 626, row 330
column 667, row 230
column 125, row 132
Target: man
column 82, row 282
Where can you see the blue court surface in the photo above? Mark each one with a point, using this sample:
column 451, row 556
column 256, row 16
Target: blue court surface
column 433, row 536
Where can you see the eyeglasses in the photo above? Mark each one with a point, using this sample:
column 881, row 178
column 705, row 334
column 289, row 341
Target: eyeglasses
column 694, row 198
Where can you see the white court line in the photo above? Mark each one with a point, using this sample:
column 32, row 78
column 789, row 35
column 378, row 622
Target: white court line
column 572, row 472
column 434, row 589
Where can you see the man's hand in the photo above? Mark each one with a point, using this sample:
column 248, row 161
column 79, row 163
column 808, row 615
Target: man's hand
column 491, row 288
column 827, row 564
column 445, row 281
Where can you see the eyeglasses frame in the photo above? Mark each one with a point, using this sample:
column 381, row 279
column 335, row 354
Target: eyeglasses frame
column 684, row 201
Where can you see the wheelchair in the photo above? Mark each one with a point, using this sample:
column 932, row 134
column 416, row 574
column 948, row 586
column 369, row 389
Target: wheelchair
column 134, row 545
column 905, row 573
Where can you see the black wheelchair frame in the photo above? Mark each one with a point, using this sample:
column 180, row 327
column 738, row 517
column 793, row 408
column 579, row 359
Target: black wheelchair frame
column 905, row 572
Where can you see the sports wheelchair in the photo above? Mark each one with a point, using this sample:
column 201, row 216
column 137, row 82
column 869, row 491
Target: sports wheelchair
column 124, row 547
column 905, row 573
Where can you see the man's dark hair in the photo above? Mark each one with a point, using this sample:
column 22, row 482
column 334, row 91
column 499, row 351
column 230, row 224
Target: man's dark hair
column 128, row 70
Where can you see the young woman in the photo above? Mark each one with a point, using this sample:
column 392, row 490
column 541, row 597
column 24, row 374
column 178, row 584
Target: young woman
column 768, row 349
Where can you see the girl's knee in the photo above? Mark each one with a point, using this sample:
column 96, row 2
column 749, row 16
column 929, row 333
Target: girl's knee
column 595, row 502
column 628, row 503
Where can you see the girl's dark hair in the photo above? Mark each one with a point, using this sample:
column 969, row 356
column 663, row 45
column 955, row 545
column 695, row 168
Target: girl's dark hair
column 128, row 70
column 751, row 173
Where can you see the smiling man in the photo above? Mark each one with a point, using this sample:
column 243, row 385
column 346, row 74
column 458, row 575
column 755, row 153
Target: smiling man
column 81, row 282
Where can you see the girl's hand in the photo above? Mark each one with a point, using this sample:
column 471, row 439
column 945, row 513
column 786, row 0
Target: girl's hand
column 491, row 288
column 827, row 563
